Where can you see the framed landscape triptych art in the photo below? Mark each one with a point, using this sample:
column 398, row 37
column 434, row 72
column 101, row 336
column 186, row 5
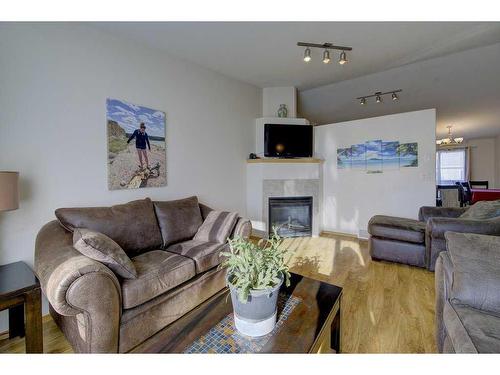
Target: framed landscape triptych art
column 377, row 156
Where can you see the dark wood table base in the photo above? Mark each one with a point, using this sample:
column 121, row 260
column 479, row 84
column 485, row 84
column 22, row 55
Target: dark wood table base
column 20, row 293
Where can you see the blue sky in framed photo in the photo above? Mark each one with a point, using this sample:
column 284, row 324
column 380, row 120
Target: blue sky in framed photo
column 390, row 155
column 129, row 116
column 344, row 158
column 358, row 156
column 374, row 155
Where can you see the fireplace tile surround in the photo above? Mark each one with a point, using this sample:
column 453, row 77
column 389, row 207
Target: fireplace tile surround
column 268, row 180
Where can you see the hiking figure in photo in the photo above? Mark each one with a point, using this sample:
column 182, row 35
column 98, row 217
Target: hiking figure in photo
column 141, row 139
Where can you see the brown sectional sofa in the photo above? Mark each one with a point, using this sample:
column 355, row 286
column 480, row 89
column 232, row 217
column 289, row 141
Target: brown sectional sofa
column 419, row 242
column 98, row 311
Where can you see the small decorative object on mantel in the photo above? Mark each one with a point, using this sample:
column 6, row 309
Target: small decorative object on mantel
column 255, row 273
column 283, row 111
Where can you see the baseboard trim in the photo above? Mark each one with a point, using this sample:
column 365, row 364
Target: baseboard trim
column 329, row 233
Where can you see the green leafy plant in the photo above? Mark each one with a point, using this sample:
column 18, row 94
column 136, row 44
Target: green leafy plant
column 252, row 266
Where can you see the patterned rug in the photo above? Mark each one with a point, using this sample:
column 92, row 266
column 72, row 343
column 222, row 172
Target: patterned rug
column 224, row 338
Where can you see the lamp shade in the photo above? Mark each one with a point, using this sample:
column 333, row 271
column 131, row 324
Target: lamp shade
column 9, row 192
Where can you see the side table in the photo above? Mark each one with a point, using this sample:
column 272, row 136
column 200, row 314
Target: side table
column 20, row 293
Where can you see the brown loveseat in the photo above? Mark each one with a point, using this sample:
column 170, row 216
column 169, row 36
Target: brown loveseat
column 98, row 311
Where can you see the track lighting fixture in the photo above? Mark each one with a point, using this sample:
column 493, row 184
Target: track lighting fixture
column 379, row 96
column 326, row 57
column 307, row 55
column 343, row 58
column 326, row 53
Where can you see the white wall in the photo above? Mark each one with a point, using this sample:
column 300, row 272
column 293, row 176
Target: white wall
column 483, row 163
column 272, row 97
column 54, row 80
column 352, row 197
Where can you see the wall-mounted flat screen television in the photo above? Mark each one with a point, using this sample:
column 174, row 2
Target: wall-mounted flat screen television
column 288, row 141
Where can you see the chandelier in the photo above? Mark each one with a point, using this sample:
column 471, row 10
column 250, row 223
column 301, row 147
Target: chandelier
column 449, row 140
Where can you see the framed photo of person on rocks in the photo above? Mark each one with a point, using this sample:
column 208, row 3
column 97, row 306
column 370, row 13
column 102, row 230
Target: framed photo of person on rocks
column 137, row 153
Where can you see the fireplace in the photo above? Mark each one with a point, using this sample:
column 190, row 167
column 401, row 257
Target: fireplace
column 291, row 215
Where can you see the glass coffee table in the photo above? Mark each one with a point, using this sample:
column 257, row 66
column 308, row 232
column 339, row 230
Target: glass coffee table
column 308, row 322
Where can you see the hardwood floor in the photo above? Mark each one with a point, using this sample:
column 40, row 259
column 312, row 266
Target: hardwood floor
column 386, row 308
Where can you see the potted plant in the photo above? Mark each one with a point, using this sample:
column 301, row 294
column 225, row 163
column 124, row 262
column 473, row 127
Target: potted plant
column 255, row 273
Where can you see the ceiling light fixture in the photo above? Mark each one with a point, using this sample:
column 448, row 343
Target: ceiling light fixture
column 343, row 58
column 326, row 57
column 326, row 53
column 449, row 140
column 379, row 96
column 307, row 55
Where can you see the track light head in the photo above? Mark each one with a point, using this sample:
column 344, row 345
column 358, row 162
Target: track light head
column 362, row 101
column 395, row 97
column 378, row 98
column 326, row 57
column 343, row 58
column 307, row 55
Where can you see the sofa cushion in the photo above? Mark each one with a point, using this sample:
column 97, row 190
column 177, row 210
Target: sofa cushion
column 397, row 228
column 204, row 254
column 470, row 330
column 476, row 270
column 157, row 272
column 482, row 210
column 100, row 247
column 217, row 227
column 132, row 225
column 179, row 220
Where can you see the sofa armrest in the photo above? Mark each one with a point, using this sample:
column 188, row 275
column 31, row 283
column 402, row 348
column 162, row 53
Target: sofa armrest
column 437, row 226
column 78, row 286
column 426, row 212
column 243, row 229
column 443, row 282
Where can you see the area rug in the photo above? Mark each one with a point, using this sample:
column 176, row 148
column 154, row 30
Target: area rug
column 224, row 338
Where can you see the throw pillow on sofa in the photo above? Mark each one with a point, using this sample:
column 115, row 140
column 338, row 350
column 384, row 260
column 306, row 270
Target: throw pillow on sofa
column 482, row 210
column 100, row 247
column 217, row 227
column 179, row 220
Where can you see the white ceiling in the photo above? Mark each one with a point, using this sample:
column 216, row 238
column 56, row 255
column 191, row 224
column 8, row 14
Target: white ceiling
column 265, row 53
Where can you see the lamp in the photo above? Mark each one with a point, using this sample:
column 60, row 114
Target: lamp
column 9, row 191
column 307, row 55
column 450, row 140
column 343, row 58
column 326, row 57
